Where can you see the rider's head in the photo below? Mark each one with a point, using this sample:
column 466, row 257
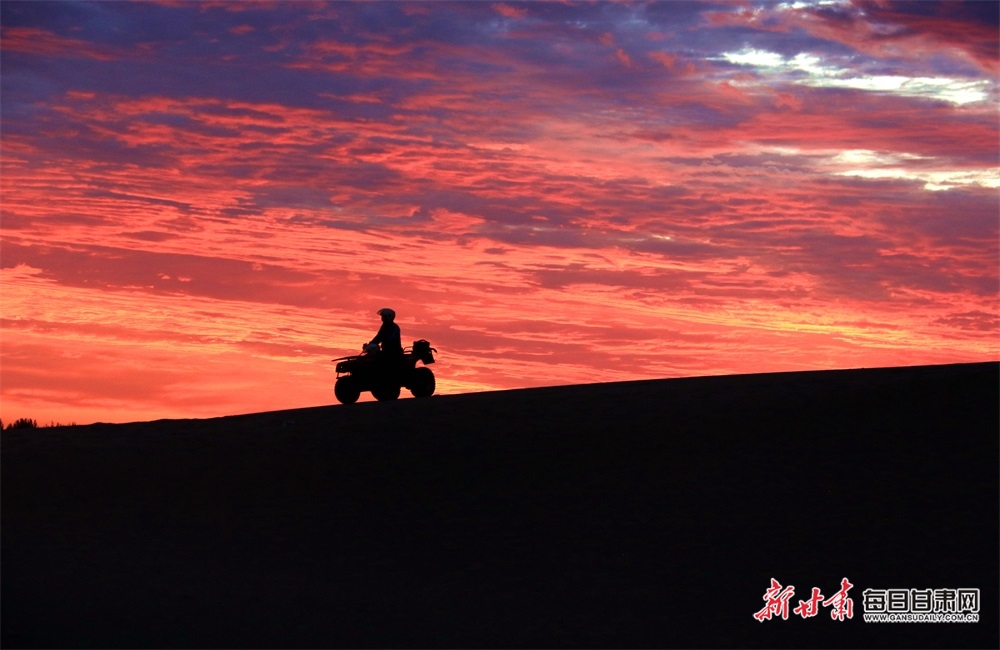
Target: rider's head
column 387, row 315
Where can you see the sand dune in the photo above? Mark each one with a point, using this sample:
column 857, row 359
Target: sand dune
column 639, row 514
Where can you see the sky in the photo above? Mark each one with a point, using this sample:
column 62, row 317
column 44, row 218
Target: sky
column 203, row 203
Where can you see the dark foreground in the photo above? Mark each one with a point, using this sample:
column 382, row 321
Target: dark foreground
column 644, row 514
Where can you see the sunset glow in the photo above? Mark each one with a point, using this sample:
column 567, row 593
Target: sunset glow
column 203, row 203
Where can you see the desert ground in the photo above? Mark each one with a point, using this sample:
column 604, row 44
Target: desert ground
column 637, row 514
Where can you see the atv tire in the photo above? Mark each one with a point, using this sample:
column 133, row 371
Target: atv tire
column 422, row 382
column 386, row 392
column 347, row 391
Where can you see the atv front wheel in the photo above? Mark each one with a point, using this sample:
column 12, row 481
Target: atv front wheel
column 422, row 382
column 347, row 391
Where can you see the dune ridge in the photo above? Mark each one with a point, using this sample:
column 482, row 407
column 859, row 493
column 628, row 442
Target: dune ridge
column 633, row 514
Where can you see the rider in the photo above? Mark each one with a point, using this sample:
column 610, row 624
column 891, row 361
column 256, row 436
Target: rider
column 388, row 335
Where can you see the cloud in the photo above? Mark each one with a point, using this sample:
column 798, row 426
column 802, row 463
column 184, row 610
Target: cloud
column 550, row 193
column 28, row 40
column 811, row 70
column 963, row 32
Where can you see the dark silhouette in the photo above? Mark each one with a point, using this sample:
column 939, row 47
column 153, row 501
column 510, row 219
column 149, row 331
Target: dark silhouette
column 384, row 367
column 639, row 514
column 388, row 335
column 21, row 423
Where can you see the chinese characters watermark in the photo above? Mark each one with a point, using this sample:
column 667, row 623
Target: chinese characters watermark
column 842, row 606
column 921, row 605
column 880, row 605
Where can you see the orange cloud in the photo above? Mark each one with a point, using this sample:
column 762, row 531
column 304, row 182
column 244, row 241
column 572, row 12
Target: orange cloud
column 541, row 212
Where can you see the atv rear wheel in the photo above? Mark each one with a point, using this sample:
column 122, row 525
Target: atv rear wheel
column 386, row 392
column 422, row 382
column 347, row 391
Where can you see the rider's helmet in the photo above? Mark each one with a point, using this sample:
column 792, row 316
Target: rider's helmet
column 387, row 314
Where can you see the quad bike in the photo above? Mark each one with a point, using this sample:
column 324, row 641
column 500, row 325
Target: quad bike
column 385, row 375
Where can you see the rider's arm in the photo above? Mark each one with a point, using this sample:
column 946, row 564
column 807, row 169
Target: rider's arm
column 380, row 336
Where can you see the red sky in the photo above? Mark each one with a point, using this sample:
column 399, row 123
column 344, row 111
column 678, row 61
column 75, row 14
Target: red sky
column 203, row 203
